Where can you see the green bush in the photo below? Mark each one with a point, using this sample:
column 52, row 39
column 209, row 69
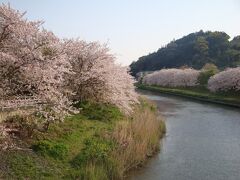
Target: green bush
column 207, row 71
column 59, row 151
column 204, row 77
column 55, row 150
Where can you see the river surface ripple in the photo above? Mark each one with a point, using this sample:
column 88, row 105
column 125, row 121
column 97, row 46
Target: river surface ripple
column 202, row 141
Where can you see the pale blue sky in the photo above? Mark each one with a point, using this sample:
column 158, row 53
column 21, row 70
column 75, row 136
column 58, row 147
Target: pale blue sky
column 132, row 28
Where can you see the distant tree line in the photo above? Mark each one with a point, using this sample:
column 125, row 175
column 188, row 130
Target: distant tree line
column 193, row 50
column 208, row 77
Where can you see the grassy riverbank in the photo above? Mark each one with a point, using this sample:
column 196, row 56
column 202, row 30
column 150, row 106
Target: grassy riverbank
column 199, row 93
column 100, row 143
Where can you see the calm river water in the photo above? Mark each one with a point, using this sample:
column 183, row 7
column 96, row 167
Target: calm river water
column 202, row 142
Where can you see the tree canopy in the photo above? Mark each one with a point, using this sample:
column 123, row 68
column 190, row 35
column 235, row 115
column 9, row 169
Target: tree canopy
column 193, row 50
column 49, row 74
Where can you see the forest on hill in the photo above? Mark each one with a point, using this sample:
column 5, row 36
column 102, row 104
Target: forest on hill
column 193, row 50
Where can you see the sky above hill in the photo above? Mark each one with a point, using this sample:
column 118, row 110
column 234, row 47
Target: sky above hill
column 132, row 28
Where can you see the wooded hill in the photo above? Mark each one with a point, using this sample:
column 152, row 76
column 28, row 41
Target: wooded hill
column 193, row 50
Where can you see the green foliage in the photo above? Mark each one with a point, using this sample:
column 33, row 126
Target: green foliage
column 235, row 43
column 95, row 150
column 204, row 77
column 201, row 46
column 55, row 150
column 101, row 112
column 210, row 67
column 193, row 50
column 207, row 71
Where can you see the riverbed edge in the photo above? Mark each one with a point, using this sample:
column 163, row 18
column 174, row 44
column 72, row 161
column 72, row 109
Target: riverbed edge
column 190, row 94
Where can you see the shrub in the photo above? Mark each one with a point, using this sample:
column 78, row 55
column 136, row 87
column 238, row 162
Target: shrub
column 207, row 71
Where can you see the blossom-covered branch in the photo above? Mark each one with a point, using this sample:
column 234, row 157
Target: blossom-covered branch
column 97, row 77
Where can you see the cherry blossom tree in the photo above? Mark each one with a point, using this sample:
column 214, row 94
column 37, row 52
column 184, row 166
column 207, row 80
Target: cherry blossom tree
column 40, row 70
column 226, row 80
column 96, row 76
column 173, row 78
column 32, row 66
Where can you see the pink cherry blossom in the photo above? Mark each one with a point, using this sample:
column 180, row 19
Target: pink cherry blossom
column 226, row 80
column 173, row 78
column 32, row 66
column 97, row 77
column 39, row 70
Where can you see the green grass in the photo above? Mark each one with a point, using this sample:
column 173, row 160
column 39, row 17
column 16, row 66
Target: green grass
column 199, row 93
column 81, row 147
column 59, row 146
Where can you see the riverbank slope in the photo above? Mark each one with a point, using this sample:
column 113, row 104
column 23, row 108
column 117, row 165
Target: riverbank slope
column 100, row 143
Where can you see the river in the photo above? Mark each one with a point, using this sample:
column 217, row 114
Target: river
column 202, row 141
